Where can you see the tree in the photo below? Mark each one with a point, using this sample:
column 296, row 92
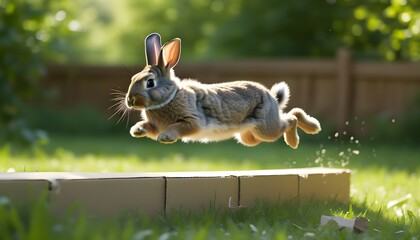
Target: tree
column 29, row 32
column 278, row 29
column 113, row 33
column 387, row 30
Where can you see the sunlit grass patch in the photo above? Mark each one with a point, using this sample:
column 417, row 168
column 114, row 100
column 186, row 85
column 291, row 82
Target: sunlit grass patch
column 289, row 220
column 384, row 189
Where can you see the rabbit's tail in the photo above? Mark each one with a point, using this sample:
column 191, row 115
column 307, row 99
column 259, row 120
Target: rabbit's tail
column 281, row 93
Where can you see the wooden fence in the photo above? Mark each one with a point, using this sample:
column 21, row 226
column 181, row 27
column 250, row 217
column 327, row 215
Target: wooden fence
column 335, row 90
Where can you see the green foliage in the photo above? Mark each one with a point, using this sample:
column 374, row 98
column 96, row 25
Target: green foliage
column 279, row 28
column 216, row 29
column 29, row 221
column 26, row 29
column 372, row 29
column 388, row 30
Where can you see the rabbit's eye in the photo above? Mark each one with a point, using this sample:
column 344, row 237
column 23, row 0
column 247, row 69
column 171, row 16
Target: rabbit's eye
column 150, row 83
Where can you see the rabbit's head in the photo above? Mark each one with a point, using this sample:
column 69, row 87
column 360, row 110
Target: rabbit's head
column 156, row 85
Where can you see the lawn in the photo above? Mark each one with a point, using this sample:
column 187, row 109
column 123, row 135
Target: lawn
column 384, row 189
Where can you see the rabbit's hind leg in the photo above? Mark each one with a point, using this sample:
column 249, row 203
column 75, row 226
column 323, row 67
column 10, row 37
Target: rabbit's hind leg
column 291, row 136
column 269, row 130
column 268, row 127
column 248, row 139
column 307, row 123
column 265, row 134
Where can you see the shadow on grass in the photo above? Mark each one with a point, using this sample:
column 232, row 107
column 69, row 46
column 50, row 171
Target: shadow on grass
column 334, row 153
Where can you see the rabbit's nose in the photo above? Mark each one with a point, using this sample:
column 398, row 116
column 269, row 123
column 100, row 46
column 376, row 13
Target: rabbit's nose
column 130, row 101
column 135, row 101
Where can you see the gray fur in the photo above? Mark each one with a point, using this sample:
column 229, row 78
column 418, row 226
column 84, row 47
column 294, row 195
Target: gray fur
column 192, row 111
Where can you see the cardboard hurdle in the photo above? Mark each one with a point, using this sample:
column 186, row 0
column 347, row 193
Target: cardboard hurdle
column 111, row 194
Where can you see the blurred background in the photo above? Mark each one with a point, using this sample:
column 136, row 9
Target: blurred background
column 353, row 64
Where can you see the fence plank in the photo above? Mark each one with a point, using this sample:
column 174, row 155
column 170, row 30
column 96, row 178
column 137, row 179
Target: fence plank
column 345, row 88
column 387, row 71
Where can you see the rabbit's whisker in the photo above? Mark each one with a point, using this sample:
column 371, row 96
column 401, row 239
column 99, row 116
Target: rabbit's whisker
column 128, row 118
column 118, row 111
column 119, row 105
column 115, row 104
column 124, row 113
column 118, row 93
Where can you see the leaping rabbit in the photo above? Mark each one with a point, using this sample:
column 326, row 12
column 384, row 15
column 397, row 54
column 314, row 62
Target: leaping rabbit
column 174, row 109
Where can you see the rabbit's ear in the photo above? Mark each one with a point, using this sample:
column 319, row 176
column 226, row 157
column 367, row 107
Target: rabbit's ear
column 171, row 53
column 153, row 46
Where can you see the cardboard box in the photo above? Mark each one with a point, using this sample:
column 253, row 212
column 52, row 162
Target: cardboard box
column 112, row 194
column 270, row 187
column 324, row 184
column 21, row 192
column 99, row 194
column 198, row 190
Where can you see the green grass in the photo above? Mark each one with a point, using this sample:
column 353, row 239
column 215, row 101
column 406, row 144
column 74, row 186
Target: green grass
column 380, row 174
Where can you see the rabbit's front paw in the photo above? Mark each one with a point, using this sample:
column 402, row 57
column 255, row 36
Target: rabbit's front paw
column 167, row 137
column 137, row 131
